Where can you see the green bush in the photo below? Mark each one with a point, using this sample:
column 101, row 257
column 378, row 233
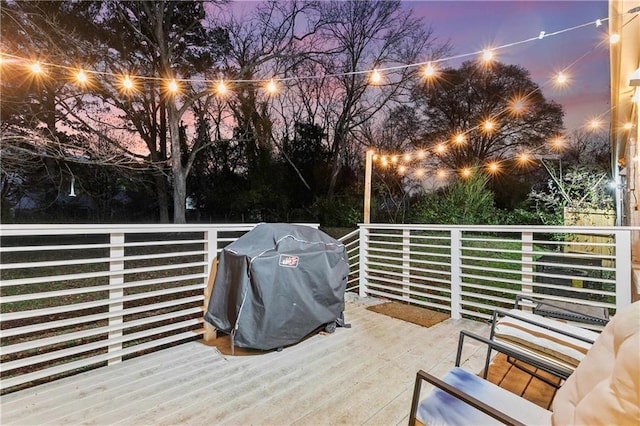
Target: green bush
column 465, row 202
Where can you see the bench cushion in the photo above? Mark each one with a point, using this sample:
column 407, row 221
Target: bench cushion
column 605, row 388
column 543, row 342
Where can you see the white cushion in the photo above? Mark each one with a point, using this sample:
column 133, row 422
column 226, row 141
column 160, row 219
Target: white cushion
column 605, row 388
column 539, row 340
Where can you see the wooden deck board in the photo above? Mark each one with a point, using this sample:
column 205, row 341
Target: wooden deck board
column 360, row 375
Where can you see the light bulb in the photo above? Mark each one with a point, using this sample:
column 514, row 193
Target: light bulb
column 35, row 68
column 561, row 78
column 376, row 78
column 173, row 86
column 81, row 76
column 429, row 70
column 221, row 88
column 127, row 83
column 272, row 87
column 493, row 167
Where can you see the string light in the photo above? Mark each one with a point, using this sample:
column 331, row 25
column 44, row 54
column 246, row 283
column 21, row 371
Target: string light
column 81, row 77
column 173, row 86
column 628, row 126
column 488, row 54
column 376, row 78
column 614, row 38
column 272, row 87
column 407, row 157
column 518, row 105
column 488, row 126
column 127, row 83
column 36, row 68
column 594, row 124
column 421, row 154
column 493, row 167
column 429, row 71
column 557, row 143
column 466, row 172
column 441, row 173
column 221, row 88
column 524, row 157
column 562, row 78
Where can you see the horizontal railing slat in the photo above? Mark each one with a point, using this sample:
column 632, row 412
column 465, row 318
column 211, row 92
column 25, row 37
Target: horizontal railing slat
column 90, row 261
column 86, row 275
column 99, row 288
column 51, row 325
column 100, row 344
column 102, row 302
column 61, row 338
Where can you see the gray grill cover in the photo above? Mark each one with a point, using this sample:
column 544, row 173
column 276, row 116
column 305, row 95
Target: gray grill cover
column 276, row 284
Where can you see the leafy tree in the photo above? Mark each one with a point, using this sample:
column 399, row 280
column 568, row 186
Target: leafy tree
column 578, row 188
column 461, row 101
column 577, row 177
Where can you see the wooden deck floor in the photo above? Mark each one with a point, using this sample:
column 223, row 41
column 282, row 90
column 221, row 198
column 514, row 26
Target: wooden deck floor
column 360, row 375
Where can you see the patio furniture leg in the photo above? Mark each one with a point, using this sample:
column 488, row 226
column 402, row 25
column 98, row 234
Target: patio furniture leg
column 414, row 401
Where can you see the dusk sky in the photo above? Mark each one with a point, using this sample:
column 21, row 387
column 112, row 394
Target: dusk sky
column 471, row 26
column 474, row 25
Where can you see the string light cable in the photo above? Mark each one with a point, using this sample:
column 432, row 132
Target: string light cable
column 271, row 81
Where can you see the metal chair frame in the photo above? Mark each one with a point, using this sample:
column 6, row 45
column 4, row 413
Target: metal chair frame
column 456, row 393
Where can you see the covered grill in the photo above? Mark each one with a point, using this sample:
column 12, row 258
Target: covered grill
column 278, row 283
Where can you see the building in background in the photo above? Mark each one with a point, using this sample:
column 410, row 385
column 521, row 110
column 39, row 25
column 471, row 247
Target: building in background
column 624, row 20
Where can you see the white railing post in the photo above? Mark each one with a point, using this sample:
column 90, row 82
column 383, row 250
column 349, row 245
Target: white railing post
column 526, row 265
column 116, row 254
column 623, row 268
column 406, row 264
column 211, row 250
column 364, row 255
column 456, row 279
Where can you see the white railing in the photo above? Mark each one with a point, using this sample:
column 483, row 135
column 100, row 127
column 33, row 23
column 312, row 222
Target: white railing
column 471, row 270
column 80, row 296
column 351, row 242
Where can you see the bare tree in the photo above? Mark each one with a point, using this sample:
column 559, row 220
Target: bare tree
column 359, row 36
